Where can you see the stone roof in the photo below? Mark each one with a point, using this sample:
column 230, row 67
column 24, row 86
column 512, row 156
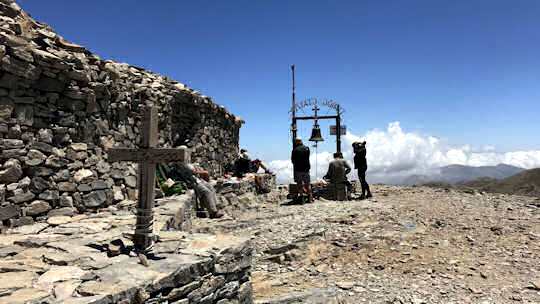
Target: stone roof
column 33, row 44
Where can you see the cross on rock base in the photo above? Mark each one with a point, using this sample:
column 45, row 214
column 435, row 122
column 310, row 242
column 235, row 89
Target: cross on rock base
column 147, row 155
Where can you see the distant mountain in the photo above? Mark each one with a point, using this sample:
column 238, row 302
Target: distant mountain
column 523, row 183
column 458, row 173
column 454, row 174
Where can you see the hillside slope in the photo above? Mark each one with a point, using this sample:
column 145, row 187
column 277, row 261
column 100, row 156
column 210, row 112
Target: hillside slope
column 454, row 174
column 459, row 173
column 524, row 183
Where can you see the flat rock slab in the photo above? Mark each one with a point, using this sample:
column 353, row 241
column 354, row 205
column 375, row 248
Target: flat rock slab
column 66, row 261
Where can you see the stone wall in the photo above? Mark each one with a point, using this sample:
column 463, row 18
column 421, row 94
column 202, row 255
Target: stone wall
column 61, row 107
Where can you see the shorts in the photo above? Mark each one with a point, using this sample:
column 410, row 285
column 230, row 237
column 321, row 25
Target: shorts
column 301, row 177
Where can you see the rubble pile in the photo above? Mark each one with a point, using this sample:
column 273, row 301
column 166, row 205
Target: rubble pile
column 62, row 106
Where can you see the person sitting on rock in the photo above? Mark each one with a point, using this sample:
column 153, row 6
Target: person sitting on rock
column 337, row 175
column 257, row 164
column 242, row 164
column 204, row 191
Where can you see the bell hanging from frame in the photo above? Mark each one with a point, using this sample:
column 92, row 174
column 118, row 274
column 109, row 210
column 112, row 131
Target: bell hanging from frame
column 316, row 134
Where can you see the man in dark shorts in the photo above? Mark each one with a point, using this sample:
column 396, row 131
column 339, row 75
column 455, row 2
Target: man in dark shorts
column 360, row 163
column 301, row 167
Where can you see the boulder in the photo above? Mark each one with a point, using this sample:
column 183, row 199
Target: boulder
column 95, row 199
column 84, row 188
column 8, row 212
column 82, row 174
column 13, row 187
column 22, row 197
column 117, row 194
column 46, row 136
column 37, row 208
column 78, row 147
column 65, row 201
column 11, row 144
column 65, row 211
column 62, row 175
column 35, row 158
column 11, row 173
column 67, row 186
column 38, row 184
column 131, row 181
column 22, row 221
column 24, row 183
column 99, row 185
column 5, row 111
column 49, row 195
column 103, row 167
column 39, row 171
column 54, row 161
column 43, row 147
column 74, row 155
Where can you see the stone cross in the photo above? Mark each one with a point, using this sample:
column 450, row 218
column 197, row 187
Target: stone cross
column 147, row 155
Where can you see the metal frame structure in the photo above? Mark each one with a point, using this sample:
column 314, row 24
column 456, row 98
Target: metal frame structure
column 295, row 119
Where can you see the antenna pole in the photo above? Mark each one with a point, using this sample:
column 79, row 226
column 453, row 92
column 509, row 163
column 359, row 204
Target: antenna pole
column 338, row 129
column 293, row 107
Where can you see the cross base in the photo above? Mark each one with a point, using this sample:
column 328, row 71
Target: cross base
column 143, row 243
column 143, row 238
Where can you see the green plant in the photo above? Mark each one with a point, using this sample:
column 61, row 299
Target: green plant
column 176, row 189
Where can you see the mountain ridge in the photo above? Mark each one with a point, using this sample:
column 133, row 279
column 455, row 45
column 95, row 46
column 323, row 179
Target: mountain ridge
column 524, row 183
column 454, row 174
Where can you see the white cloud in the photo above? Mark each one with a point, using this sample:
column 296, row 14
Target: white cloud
column 394, row 153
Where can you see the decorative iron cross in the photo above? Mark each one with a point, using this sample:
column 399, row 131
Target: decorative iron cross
column 147, row 156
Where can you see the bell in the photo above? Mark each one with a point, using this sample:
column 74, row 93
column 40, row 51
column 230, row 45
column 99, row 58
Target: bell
column 316, row 134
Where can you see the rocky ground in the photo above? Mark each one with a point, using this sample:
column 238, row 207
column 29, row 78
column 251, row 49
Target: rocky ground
column 406, row 245
column 88, row 259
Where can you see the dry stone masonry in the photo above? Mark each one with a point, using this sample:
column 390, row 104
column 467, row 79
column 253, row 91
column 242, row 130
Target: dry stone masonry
column 61, row 107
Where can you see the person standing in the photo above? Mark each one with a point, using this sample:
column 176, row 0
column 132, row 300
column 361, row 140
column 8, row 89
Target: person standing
column 360, row 163
column 301, row 166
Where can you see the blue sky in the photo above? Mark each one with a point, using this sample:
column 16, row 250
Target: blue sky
column 465, row 71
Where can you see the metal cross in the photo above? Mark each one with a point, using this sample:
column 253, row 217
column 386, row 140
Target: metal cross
column 316, row 110
column 147, row 156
